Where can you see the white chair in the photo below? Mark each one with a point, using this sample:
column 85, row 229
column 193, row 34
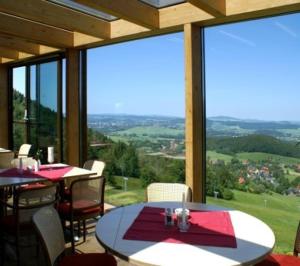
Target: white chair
column 49, row 227
column 168, row 192
column 24, row 150
column 26, row 162
column 95, row 166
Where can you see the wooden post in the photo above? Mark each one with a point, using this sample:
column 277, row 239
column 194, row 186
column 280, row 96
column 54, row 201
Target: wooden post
column 4, row 104
column 72, row 106
column 195, row 112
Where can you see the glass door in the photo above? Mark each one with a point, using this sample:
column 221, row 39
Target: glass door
column 37, row 107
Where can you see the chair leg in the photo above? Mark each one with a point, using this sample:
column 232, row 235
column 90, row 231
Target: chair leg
column 78, row 229
column 72, row 236
column 84, row 231
column 18, row 250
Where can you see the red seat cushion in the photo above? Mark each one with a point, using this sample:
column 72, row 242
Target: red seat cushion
column 31, row 186
column 280, row 260
column 80, row 208
column 9, row 224
column 89, row 259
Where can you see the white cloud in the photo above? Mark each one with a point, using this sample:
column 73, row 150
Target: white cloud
column 118, row 106
column 238, row 38
column 286, row 29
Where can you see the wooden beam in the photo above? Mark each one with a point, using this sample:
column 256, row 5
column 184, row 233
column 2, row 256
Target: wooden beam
column 40, row 33
column 58, row 16
column 181, row 14
column 215, row 8
column 72, row 106
column 4, row 60
column 195, row 113
column 9, row 53
column 4, row 105
column 134, row 11
column 121, row 28
column 19, row 44
column 13, row 54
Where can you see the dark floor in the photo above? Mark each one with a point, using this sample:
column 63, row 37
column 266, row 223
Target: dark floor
column 29, row 256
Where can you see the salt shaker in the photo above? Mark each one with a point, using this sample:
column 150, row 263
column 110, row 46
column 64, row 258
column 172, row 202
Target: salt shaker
column 168, row 217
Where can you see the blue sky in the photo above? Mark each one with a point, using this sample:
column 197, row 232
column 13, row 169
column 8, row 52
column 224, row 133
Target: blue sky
column 252, row 71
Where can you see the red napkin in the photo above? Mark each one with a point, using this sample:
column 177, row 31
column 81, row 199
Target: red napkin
column 46, row 171
column 208, row 228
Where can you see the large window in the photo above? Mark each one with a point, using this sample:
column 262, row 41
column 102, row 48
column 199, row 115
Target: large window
column 136, row 114
column 253, row 128
column 37, row 106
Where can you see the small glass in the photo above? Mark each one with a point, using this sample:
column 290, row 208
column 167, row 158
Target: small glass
column 169, row 217
column 182, row 220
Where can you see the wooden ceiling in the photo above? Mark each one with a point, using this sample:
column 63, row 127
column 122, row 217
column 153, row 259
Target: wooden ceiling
column 30, row 28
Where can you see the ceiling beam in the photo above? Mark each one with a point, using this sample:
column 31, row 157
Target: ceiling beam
column 9, row 53
column 19, row 44
column 13, row 54
column 178, row 15
column 58, row 16
column 38, row 32
column 132, row 10
column 4, row 60
column 215, row 8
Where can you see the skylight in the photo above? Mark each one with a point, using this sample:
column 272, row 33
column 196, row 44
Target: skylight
column 84, row 9
column 162, row 3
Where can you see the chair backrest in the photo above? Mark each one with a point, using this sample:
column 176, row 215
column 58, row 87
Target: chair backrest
column 88, row 193
column 24, row 150
column 48, row 225
column 95, row 165
column 5, row 159
column 168, row 192
column 26, row 162
column 28, row 201
column 297, row 241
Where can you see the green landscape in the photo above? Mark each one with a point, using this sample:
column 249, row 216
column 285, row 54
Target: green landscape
column 252, row 166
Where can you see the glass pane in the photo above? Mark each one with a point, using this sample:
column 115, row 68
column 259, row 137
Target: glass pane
column 136, row 121
column 19, row 88
column 19, row 135
column 253, row 130
column 162, row 3
column 19, row 107
column 84, row 9
column 48, row 105
column 33, row 95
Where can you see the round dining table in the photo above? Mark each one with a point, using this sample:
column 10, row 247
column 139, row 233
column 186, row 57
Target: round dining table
column 254, row 239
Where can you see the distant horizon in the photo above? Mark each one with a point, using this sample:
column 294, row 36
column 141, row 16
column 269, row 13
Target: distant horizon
column 208, row 117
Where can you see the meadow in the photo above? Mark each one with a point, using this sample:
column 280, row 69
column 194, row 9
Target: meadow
column 280, row 212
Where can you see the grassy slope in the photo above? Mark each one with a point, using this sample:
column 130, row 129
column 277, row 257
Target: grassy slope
column 281, row 213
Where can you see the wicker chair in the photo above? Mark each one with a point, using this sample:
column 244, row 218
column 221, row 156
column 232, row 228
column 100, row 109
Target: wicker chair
column 24, row 150
column 92, row 165
column 25, row 204
column 86, row 202
column 167, row 192
column 284, row 260
column 49, row 227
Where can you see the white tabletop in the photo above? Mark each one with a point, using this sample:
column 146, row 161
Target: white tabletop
column 19, row 180
column 4, row 150
column 255, row 240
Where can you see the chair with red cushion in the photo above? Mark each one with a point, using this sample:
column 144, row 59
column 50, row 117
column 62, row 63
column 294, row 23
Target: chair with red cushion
column 86, row 202
column 49, row 227
column 25, row 204
column 284, row 260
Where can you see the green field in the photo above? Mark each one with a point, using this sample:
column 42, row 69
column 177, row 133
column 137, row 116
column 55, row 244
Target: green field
column 212, row 155
column 260, row 156
column 150, row 131
column 281, row 212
